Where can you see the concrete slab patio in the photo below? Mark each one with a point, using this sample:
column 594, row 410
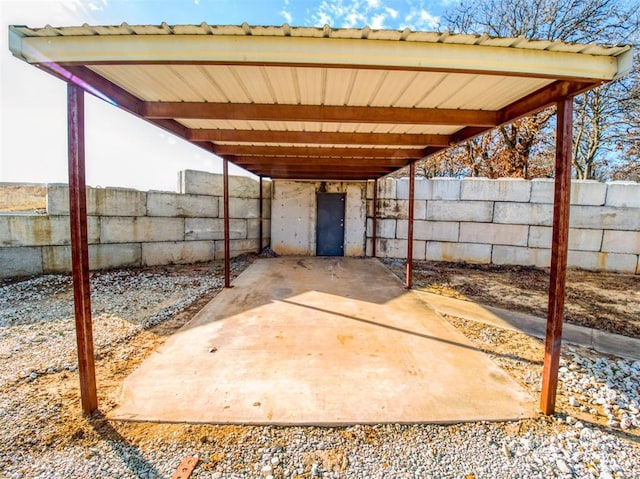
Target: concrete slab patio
column 325, row 341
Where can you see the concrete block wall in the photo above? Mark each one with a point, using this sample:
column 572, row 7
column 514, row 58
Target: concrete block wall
column 508, row 221
column 293, row 225
column 133, row 228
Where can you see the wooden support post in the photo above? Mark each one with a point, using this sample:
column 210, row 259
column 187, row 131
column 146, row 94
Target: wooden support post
column 559, row 250
column 412, row 177
column 374, row 220
column 260, row 218
column 80, row 248
column 227, row 249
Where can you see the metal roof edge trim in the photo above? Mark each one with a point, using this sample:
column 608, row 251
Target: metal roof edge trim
column 465, row 57
column 321, row 32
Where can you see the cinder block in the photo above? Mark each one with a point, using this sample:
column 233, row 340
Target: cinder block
column 172, row 204
column 57, row 259
column 467, row 252
column 622, row 263
column 503, row 189
column 355, row 220
column 100, row 201
column 211, row 184
column 23, row 197
column 17, row 262
column 396, row 248
column 399, row 209
column 621, row 242
column 141, row 229
column 429, row 230
column 442, row 210
column 369, row 248
column 491, row 233
column 605, row 217
column 179, row 252
column 579, row 239
column 444, row 189
column 583, row 192
column 422, row 189
column 253, row 228
column 213, row 228
column 42, row 230
column 240, row 208
column 623, row 193
column 521, row 256
column 523, row 213
column 237, row 247
column 385, row 228
column 387, row 189
column 588, row 192
column 542, row 190
column 293, row 218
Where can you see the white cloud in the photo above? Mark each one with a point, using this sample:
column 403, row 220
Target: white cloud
column 287, row 15
column 377, row 21
column 196, row 2
column 353, row 13
column 421, row 19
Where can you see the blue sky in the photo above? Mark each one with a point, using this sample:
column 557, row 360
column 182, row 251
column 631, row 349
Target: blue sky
column 122, row 150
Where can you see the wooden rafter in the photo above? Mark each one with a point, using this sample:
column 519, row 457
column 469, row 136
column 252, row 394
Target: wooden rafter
column 319, row 152
column 318, row 113
column 318, row 162
column 317, row 137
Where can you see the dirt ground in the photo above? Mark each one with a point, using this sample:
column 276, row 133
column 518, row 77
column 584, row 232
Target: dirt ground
column 606, row 301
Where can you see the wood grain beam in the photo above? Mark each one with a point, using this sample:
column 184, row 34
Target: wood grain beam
column 318, row 137
column 319, row 113
column 559, row 253
column 314, row 161
column 318, row 152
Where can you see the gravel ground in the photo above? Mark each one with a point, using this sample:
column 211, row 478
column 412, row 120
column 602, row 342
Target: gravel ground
column 595, row 434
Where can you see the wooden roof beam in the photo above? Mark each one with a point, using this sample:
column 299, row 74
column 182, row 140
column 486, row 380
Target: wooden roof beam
column 318, row 113
column 254, row 161
column 318, row 137
column 301, row 151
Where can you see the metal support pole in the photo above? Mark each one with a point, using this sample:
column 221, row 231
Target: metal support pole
column 412, row 177
column 227, row 249
column 80, row 248
column 374, row 220
column 559, row 250
column 260, row 218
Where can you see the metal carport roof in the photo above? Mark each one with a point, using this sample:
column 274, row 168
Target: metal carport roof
column 318, row 103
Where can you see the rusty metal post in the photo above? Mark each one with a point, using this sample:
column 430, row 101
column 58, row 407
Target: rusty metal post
column 374, row 220
column 260, row 217
column 227, row 249
column 559, row 251
column 80, row 248
column 412, row 177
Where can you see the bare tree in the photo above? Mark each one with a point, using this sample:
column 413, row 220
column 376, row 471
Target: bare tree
column 523, row 148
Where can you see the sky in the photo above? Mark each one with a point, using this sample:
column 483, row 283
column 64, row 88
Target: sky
column 121, row 150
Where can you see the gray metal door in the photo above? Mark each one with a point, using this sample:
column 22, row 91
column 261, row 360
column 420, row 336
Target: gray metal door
column 330, row 224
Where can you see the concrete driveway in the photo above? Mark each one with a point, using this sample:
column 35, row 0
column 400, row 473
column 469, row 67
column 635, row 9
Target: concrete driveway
column 326, row 341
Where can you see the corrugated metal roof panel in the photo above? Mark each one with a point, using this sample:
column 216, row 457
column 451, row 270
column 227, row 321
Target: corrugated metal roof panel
column 286, row 30
column 162, row 63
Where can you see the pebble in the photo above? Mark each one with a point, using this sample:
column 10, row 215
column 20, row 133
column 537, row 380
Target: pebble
column 37, row 339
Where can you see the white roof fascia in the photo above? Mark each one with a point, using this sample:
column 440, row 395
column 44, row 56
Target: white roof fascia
column 319, row 51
